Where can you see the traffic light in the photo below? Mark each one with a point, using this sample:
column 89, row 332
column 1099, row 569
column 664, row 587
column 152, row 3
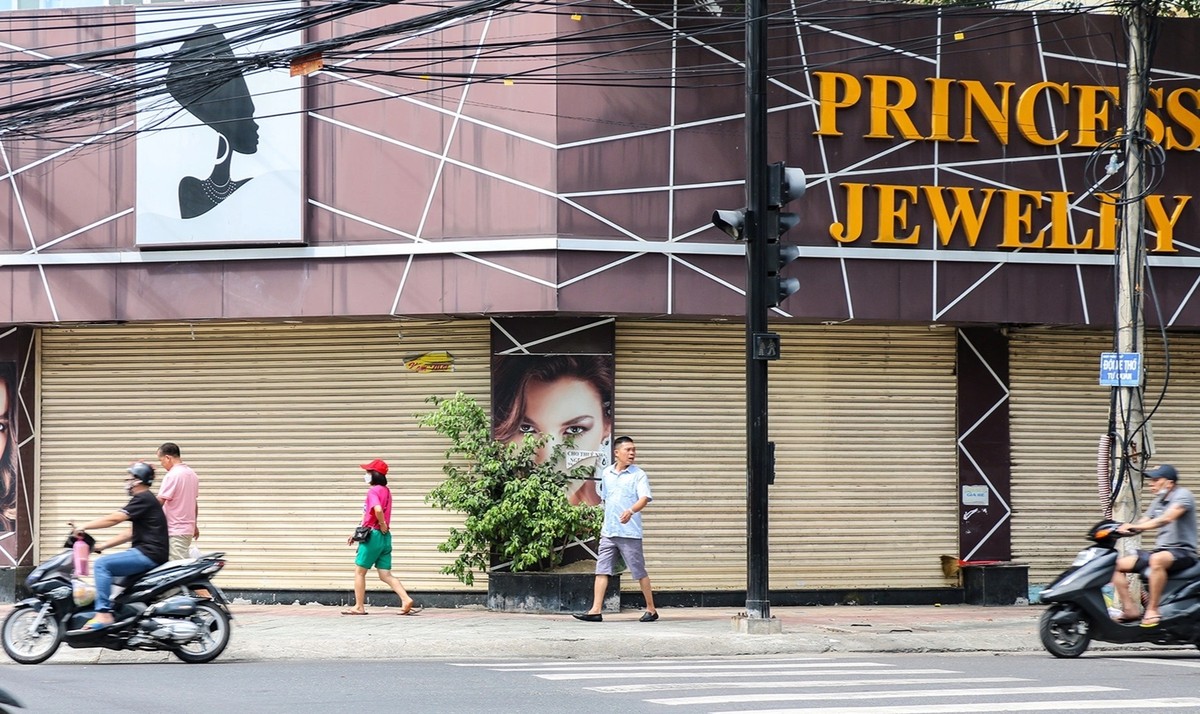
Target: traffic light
column 733, row 223
column 783, row 185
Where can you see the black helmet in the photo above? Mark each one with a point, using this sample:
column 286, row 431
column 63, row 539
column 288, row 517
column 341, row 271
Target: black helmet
column 142, row 471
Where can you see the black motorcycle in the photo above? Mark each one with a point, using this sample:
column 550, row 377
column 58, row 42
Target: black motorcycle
column 1079, row 614
column 174, row 607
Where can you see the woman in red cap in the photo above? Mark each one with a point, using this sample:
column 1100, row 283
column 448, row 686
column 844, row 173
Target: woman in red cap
column 376, row 550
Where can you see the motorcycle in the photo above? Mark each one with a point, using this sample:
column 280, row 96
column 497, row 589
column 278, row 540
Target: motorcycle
column 1079, row 614
column 174, row 607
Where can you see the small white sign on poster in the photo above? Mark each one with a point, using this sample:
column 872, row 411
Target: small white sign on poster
column 975, row 495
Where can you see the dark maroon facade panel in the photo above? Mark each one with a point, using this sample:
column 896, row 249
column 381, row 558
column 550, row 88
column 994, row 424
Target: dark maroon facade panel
column 937, row 187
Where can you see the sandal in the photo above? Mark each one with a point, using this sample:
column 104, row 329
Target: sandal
column 352, row 612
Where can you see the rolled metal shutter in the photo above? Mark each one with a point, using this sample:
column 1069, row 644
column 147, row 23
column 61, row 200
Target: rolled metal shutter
column 1060, row 411
column 863, row 417
column 275, row 418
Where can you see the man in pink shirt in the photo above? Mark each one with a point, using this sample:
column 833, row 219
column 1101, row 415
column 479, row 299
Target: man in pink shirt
column 178, row 494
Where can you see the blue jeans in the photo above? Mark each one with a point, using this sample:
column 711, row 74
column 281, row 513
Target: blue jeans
column 129, row 562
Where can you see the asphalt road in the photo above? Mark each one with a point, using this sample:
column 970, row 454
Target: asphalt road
column 887, row 684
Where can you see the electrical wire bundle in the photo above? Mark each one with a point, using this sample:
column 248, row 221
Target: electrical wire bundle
column 61, row 92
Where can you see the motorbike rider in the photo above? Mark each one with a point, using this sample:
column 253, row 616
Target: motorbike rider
column 149, row 535
column 1173, row 513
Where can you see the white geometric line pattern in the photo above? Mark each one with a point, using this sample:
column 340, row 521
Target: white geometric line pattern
column 630, row 239
column 966, row 452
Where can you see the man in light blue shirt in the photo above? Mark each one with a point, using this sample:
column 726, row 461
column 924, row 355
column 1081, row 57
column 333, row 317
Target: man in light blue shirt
column 625, row 489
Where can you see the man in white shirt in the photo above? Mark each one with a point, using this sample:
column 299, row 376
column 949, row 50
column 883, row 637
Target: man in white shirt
column 625, row 489
column 178, row 495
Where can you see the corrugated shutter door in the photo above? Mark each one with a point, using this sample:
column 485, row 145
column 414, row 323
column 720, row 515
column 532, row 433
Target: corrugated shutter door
column 275, row 419
column 863, row 419
column 681, row 395
column 1060, row 411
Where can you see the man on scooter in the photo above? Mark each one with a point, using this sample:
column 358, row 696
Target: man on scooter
column 149, row 535
column 1173, row 513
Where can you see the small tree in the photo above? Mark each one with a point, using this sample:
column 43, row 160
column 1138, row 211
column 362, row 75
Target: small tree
column 516, row 509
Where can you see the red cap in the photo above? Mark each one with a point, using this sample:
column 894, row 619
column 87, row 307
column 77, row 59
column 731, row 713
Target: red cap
column 377, row 465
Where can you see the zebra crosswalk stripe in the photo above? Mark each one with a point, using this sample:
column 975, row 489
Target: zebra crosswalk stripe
column 988, row 707
column 905, row 694
column 875, row 681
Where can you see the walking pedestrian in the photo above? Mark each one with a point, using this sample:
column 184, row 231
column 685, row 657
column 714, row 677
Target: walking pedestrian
column 376, row 550
column 625, row 489
column 179, row 496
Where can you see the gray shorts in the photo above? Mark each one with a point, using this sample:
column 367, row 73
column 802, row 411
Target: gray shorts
column 631, row 553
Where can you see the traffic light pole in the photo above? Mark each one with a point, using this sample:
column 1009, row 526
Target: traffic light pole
column 757, row 477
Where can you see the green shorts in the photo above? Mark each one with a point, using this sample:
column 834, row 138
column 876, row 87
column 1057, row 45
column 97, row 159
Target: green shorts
column 375, row 552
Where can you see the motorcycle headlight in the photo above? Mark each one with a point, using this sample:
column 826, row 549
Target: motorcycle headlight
column 1085, row 556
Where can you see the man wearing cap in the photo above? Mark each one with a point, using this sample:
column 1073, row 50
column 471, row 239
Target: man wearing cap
column 1173, row 513
column 376, row 550
column 149, row 536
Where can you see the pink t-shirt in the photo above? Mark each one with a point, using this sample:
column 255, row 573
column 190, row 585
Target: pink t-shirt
column 377, row 496
column 179, row 491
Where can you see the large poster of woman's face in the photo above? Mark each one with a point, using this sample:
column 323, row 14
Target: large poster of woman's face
column 218, row 156
column 568, row 399
column 554, row 377
column 9, row 482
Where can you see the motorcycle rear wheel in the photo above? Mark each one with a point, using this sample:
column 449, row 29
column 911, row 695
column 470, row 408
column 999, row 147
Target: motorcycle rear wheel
column 213, row 638
column 28, row 647
column 1065, row 631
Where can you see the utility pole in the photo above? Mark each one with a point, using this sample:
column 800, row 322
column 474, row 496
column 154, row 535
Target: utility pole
column 758, row 607
column 1131, row 434
column 760, row 225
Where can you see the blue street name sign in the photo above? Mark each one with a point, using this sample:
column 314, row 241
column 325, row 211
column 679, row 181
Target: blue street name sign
column 1120, row 369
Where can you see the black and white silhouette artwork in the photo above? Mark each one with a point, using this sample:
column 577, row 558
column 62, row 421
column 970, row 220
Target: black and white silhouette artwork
column 226, row 107
column 218, row 162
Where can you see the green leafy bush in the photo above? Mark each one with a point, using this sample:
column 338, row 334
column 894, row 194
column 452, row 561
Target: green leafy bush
column 516, row 510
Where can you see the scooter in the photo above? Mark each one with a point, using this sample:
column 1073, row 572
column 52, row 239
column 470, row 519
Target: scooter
column 1079, row 614
column 174, row 607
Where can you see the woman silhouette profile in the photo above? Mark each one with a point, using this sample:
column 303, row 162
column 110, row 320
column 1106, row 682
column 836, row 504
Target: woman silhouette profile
column 226, row 107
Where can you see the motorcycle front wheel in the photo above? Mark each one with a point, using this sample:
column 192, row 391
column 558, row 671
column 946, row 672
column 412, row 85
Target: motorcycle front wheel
column 213, row 637
column 1065, row 630
column 28, row 645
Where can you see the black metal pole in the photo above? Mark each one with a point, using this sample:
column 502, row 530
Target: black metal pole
column 757, row 605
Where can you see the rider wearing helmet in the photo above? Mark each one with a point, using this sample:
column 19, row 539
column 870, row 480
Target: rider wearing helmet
column 149, row 536
column 1173, row 513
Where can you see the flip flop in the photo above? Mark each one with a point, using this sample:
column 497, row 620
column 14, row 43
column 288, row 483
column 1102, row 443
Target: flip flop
column 1127, row 619
column 1151, row 621
column 352, row 612
column 93, row 625
column 411, row 609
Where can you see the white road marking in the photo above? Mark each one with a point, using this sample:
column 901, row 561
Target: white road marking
column 591, row 674
column 676, row 686
column 1156, row 662
column 903, row 694
column 665, row 660
column 1086, row 705
column 637, row 666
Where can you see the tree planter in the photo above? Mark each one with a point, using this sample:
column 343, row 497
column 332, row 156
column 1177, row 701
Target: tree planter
column 549, row 592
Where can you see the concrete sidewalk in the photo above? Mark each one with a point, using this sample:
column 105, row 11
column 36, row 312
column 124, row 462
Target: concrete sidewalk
column 300, row 632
